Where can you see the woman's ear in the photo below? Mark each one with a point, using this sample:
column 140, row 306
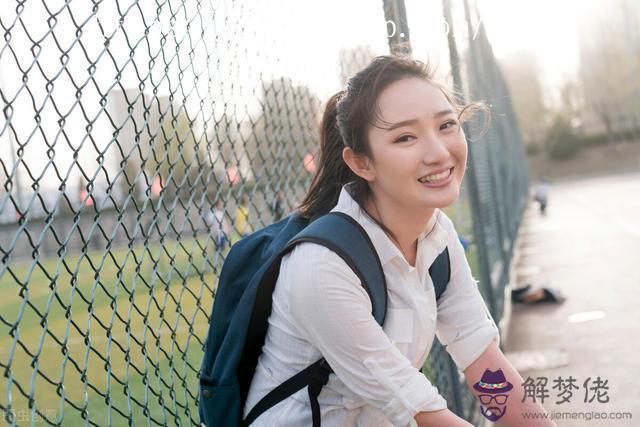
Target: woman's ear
column 360, row 165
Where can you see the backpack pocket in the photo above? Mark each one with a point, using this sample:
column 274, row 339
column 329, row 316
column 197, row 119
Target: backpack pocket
column 220, row 405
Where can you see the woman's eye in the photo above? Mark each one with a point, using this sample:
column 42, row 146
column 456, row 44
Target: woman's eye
column 448, row 125
column 403, row 138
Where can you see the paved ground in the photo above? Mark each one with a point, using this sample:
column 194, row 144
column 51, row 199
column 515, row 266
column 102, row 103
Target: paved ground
column 588, row 246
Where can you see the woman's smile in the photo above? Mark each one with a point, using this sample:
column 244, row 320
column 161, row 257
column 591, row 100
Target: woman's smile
column 437, row 179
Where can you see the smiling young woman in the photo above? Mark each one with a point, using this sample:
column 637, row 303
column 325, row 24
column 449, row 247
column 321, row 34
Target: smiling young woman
column 416, row 163
column 393, row 153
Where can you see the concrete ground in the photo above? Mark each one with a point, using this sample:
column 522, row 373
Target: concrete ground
column 587, row 246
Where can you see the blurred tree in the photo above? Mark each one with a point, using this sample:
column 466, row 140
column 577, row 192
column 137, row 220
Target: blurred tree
column 610, row 66
column 226, row 147
column 177, row 152
column 285, row 131
column 570, row 100
column 353, row 60
column 522, row 73
column 562, row 142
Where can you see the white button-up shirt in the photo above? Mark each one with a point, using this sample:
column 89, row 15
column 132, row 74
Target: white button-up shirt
column 320, row 309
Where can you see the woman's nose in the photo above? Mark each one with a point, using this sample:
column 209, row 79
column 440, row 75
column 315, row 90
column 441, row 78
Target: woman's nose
column 435, row 150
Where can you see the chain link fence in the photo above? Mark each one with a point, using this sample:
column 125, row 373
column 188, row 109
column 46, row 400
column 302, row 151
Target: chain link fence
column 131, row 132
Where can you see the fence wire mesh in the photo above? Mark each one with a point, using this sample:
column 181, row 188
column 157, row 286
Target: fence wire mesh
column 133, row 131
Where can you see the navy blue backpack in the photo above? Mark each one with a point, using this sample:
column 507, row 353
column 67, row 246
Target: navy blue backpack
column 242, row 305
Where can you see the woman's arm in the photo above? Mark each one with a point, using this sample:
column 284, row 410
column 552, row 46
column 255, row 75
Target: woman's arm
column 467, row 331
column 493, row 359
column 442, row 418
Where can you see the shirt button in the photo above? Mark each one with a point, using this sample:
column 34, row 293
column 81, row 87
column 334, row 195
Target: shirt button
column 206, row 393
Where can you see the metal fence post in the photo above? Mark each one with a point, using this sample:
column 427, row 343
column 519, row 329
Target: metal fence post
column 395, row 15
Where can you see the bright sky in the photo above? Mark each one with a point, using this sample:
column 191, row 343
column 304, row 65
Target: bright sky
column 249, row 42
column 548, row 28
column 246, row 42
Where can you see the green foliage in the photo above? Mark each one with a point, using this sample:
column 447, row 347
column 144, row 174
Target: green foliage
column 602, row 138
column 562, row 142
column 533, row 148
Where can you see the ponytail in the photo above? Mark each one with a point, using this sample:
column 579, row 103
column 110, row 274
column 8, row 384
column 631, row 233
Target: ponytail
column 332, row 172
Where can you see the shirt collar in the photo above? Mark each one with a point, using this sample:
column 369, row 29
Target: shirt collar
column 386, row 249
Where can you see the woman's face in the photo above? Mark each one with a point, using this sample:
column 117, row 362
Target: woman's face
column 420, row 162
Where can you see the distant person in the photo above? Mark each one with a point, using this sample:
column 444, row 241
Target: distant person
column 542, row 195
column 277, row 208
column 243, row 228
column 464, row 242
column 218, row 225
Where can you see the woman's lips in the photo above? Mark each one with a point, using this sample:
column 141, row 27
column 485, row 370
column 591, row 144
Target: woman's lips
column 437, row 178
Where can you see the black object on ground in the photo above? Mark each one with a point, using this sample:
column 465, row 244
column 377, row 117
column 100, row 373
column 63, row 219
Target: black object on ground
column 529, row 294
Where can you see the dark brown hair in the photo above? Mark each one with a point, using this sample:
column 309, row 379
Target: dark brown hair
column 345, row 123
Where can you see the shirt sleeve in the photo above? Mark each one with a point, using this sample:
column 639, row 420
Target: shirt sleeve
column 333, row 311
column 464, row 324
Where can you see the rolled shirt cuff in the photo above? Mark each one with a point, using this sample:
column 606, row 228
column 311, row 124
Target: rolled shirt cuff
column 416, row 395
column 464, row 351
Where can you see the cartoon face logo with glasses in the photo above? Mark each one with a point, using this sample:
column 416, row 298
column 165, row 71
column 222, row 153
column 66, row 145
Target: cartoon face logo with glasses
column 493, row 386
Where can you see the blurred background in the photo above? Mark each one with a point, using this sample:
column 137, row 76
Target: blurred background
column 573, row 72
column 138, row 139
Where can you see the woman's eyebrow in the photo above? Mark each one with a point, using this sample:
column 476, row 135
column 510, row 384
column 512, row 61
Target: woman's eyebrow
column 414, row 121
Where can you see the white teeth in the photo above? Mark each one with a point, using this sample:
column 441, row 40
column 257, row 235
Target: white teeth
column 435, row 177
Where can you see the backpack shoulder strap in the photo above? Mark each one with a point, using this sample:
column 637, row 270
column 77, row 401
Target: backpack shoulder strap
column 344, row 236
column 440, row 272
